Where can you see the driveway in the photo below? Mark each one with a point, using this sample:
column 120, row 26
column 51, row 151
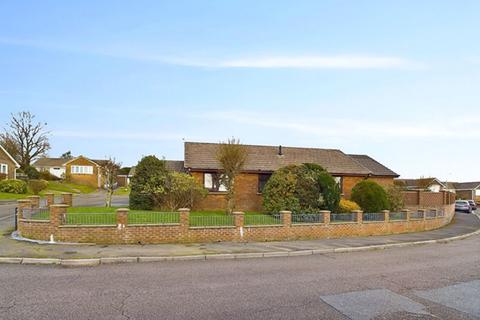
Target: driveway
column 438, row 281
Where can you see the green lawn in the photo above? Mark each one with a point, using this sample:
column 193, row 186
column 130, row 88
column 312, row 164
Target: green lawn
column 59, row 187
column 122, row 191
column 102, row 215
column 12, row 196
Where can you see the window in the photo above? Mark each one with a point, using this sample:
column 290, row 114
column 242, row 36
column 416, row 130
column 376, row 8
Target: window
column 262, row 181
column 3, row 168
column 82, row 170
column 56, row 168
column 339, row 181
column 211, row 182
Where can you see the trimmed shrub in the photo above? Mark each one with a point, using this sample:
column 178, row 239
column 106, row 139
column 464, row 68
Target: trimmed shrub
column 347, row 206
column 306, row 188
column 149, row 184
column 13, row 186
column 370, row 196
column 183, row 192
column 37, row 185
column 395, row 197
column 31, row 172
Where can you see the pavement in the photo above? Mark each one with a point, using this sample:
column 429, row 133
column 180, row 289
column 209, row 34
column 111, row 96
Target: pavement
column 462, row 224
column 433, row 281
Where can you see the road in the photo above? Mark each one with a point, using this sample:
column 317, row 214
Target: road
column 437, row 281
column 93, row 199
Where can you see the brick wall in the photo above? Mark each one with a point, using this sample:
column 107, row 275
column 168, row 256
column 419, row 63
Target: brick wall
column 122, row 233
column 425, row 199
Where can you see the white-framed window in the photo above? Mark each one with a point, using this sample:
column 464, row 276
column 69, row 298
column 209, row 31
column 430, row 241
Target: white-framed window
column 211, row 182
column 81, row 170
column 3, row 168
column 339, row 181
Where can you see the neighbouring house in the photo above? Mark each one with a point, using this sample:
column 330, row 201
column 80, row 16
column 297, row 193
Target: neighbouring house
column 201, row 163
column 56, row 166
column 467, row 190
column 8, row 165
column 423, row 184
column 80, row 170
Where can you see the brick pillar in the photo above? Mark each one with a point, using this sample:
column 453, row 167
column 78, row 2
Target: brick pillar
column 407, row 214
column 35, row 201
column 387, row 215
column 50, row 199
column 326, row 216
column 184, row 218
column 286, row 218
column 22, row 204
column 122, row 217
column 58, row 214
column 67, row 198
column 359, row 215
column 239, row 219
column 420, row 197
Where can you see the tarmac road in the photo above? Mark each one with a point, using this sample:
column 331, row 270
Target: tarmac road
column 437, row 281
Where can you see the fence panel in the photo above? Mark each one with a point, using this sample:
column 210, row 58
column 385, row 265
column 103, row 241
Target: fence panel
column 153, row 217
column 343, row 217
column 212, row 220
column 36, row 213
column 431, row 214
column 299, row 218
column 398, row 216
column 375, row 216
column 91, row 219
column 416, row 215
column 262, row 219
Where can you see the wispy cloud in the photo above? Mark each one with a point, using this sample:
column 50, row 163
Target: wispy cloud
column 354, row 129
column 259, row 62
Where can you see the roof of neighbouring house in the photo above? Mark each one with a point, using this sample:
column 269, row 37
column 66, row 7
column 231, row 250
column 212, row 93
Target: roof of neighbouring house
column 466, row 185
column 50, row 162
column 267, row 158
column 175, row 165
column 420, row 183
column 373, row 165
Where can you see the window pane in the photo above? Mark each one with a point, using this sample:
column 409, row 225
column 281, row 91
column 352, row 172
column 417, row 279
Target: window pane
column 262, row 181
column 208, row 180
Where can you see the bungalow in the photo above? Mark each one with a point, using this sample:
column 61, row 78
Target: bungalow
column 80, row 170
column 426, row 184
column 8, row 165
column 262, row 161
column 467, row 190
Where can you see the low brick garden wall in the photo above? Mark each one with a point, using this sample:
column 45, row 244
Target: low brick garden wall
column 289, row 227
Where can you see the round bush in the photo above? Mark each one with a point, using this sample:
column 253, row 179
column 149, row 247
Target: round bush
column 32, row 173
column 37, row 185
column 370, row 196
column 13, row 186
column 347, row 206
column 307, row 188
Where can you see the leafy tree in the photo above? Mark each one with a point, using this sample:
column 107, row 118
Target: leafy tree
column 232, row 157
column 67, row 155
column 183, row 191
column 31, row 172
column 395, row 197
column 109, row 170
column 149, row 184
column 25, row 140
column 305, row 188
column 370, row 196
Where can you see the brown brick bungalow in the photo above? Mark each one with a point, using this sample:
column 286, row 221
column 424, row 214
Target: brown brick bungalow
column 8, row 165
column 200, row 162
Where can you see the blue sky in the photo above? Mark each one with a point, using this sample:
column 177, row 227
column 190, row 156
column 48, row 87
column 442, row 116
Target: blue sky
column 398, row 80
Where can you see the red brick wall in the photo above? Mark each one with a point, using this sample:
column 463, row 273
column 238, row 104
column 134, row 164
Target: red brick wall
column 181, row 232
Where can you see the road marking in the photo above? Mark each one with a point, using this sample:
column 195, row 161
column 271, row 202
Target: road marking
column 368, row 304
column 464, row 297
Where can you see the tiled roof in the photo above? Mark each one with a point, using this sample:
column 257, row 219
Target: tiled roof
column 175, row 165
column 418, row 183
column 375, row 167
column 50, row 162
column 466, row 185
column 202, row 156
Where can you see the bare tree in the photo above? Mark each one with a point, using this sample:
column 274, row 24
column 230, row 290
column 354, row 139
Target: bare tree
column 232, row 157
column 26, row 139
column 109, row 170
